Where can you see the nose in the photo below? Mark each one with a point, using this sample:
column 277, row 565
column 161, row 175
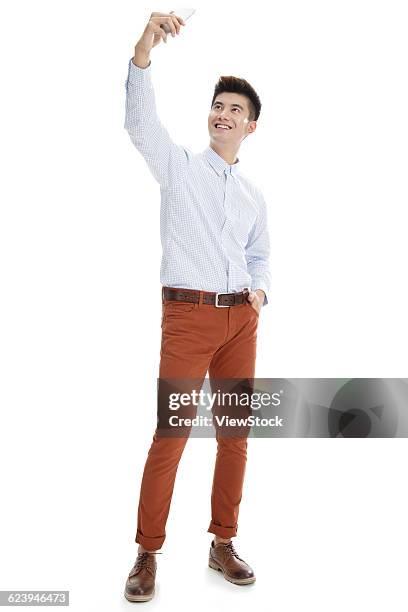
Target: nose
column 222, row 116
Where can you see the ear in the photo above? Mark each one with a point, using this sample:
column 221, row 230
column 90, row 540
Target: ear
column 251, row 127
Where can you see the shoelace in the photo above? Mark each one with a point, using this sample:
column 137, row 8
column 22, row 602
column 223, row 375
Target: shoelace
column 230, row 548
column 143, row 560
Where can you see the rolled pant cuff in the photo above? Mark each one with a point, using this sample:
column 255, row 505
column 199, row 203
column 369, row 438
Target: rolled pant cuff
column 222, row 532
column 148, row 542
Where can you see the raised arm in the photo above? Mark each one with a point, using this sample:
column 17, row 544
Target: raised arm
column 165, row 159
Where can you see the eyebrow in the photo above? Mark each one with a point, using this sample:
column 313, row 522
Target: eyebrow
column 222, row 104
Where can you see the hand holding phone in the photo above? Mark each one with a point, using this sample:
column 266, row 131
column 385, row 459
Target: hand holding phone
column 184, row 13
column 156, row 30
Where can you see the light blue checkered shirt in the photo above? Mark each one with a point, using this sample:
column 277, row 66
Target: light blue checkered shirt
column 213, row 221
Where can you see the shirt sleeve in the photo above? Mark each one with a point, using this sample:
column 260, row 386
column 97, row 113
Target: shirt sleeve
column 257, row 252
column 166, row 160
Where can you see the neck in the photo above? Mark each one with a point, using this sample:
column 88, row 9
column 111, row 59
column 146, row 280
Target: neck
column 228, row 154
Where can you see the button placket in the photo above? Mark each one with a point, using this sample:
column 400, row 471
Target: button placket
column 228, row 214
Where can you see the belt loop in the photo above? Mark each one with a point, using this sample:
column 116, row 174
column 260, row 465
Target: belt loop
column 162, row 292
column 200, row 301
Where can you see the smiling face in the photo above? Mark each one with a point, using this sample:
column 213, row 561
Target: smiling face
column 228, row 121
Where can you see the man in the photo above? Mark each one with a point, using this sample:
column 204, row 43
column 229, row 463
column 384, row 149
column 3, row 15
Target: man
column 215, row 246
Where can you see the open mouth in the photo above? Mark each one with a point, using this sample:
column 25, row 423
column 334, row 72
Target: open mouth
column 222, row 126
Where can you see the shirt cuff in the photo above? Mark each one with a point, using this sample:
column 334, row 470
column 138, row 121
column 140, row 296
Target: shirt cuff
column 135, row 73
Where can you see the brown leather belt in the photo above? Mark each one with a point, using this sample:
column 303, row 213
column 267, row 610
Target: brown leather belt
column 220, row 300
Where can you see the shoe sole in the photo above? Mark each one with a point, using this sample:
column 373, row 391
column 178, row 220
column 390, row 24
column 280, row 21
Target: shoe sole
column 215, row 566
column 134, row 598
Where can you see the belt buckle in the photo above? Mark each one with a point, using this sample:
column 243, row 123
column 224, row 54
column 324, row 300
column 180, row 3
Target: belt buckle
column 217, row 305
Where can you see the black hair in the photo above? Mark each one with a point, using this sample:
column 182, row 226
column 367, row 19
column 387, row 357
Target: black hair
column 241, row 86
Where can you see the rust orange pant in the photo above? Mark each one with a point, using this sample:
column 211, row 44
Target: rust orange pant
column 196, row 339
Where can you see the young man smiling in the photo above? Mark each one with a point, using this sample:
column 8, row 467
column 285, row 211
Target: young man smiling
column 215, row 247
column 231, row 119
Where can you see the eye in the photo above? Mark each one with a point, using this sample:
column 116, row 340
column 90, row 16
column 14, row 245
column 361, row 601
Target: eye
column 235, row 109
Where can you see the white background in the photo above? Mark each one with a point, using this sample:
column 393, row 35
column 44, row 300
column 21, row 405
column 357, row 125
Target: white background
column 323, row 522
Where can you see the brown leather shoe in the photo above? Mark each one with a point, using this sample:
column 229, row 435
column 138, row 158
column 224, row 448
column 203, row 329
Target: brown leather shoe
column 140, row 582
column 225, row 559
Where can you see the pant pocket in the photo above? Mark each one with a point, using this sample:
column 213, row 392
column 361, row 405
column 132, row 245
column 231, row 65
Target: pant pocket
column 174, row 311
column 253, row 309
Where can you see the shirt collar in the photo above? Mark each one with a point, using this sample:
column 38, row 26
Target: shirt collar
column 219, row 164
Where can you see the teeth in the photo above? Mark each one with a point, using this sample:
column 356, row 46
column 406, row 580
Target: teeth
column 220, row 125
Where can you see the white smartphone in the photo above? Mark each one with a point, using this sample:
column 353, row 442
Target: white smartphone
column 184, row 13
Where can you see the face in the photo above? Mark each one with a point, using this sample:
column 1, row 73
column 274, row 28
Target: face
column 231, row 110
